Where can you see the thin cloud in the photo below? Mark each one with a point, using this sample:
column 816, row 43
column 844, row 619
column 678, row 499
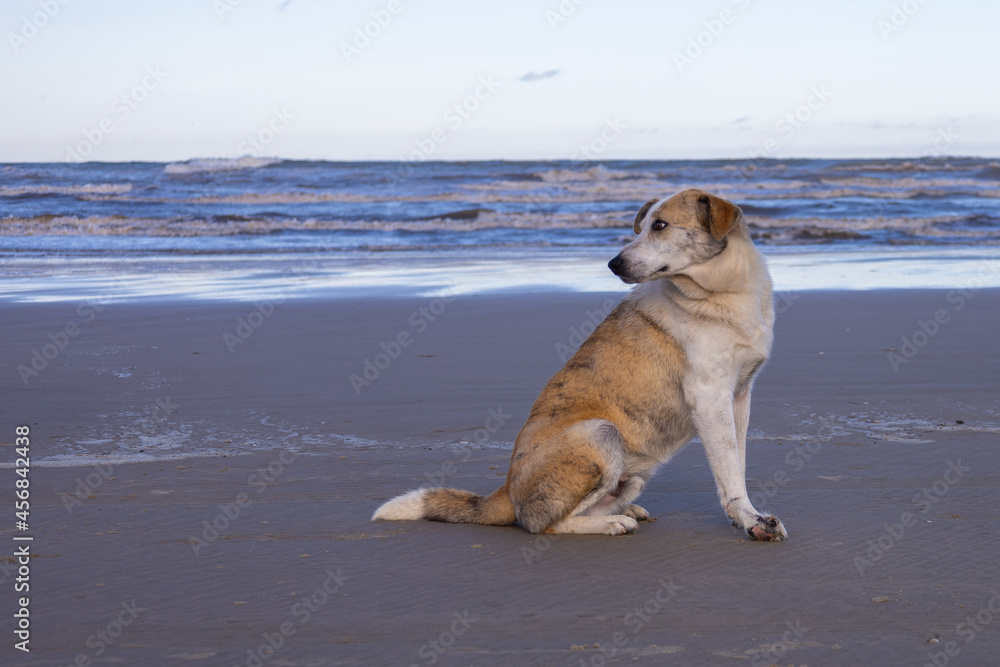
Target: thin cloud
column 740, row 123
column 532, row 76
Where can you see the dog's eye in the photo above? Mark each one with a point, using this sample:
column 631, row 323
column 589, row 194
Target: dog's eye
column 658, row 225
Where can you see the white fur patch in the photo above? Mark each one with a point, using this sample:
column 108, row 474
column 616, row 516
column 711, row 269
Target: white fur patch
column 407, row 507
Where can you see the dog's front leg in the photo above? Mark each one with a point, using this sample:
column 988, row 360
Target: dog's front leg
column 764, row 526
column 722, row 421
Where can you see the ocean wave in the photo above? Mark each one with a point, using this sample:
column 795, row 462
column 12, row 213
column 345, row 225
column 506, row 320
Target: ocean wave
column 88, row 189
column 901, row 183
column 917, row 165
column 856, row 224
column 991, row 173
column 882, row 193
column 341, row 205
column 232, row 225
column 596, row 173
column 297, row 198
column 629, row 192
column 795, row 231
column 71, row 225
column 768, row 230
column 639, row 190
column 199, row 165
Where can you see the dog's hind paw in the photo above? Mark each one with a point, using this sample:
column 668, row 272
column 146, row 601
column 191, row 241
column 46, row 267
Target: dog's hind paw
column 767, row 529
column 607, row 524
column 619, row 524
column 637, row 513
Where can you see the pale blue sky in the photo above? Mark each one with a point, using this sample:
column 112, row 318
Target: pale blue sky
column 275, row 70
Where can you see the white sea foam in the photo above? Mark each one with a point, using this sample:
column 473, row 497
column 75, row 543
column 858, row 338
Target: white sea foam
column 596, row 173
column 916, row 166
column 773, row 231
column 297, row 198
column 88, row 189
column 156, row 227
column 197, row 165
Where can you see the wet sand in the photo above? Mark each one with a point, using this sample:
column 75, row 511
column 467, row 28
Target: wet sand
column 887, row 481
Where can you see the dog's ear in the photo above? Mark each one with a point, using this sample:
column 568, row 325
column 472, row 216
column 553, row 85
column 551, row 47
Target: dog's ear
column 637, row 226
column 717, row 215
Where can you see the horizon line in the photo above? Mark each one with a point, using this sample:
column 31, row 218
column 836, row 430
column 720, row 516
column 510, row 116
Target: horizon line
column 277, row 159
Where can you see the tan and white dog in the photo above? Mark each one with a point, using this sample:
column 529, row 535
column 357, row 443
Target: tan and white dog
column 676, row 358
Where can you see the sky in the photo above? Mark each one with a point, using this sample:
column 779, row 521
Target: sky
column 136, row 80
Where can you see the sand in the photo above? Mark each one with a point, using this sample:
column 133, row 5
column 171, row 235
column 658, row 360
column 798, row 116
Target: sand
column 843, row 446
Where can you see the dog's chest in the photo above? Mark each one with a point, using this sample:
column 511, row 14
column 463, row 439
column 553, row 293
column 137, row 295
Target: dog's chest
column 726, row 352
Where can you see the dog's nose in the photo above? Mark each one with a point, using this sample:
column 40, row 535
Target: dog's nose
column 616, row 265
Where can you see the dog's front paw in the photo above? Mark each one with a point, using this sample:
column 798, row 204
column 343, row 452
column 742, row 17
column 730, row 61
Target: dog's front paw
column 637, row 513
column 767, row 529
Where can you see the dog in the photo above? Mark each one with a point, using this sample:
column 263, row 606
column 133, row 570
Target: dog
column 676, row 358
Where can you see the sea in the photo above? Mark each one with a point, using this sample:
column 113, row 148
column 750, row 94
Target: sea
column 263, row 228
column 245, row 227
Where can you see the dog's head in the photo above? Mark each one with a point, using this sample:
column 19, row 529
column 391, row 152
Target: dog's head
column 673, row 234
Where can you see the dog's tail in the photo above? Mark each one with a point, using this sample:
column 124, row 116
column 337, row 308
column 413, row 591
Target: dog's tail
column 452, row 505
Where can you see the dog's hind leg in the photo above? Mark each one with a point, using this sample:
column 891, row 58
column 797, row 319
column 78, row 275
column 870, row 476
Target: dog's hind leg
column 618, row 499
column 572, row 486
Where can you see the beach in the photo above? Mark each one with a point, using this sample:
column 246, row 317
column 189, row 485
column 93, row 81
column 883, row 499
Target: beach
column 266, row 266
column 203, row 473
